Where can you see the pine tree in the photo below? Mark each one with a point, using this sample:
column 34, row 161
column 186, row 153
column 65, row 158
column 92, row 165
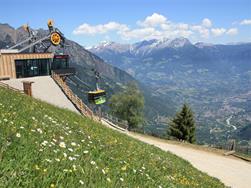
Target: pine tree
column 183, row 125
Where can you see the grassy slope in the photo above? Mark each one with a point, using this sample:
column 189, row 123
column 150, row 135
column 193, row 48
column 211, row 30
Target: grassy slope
column 95, row 156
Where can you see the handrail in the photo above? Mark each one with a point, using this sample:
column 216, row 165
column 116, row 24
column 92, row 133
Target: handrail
column 4, row 85
column 84, row 109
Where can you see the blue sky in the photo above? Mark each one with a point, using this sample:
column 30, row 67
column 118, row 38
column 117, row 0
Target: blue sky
column 128, row 21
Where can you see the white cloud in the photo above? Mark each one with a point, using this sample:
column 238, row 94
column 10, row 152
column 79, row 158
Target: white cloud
column 156, row 26
column 154, row 20
column 204, row 32
column 99, row 29
column 206, row 22
column 246, row 22
column 218, row 31
column 232, row 31
column 142, row 33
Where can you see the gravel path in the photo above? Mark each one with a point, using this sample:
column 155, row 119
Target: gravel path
column 232, row 172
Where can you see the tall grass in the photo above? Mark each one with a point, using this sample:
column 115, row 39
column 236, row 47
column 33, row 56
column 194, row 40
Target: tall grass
column 44, row 146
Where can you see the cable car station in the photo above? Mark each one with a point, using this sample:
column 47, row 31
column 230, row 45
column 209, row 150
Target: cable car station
column 31, row 58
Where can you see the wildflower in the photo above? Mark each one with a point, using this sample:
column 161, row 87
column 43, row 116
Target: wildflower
column 121, row 179
column 45, row 170
column 48, row 160
column 65, row 170
column 160, row 186
column 44, row 143
column 85, row 152
column 82, row 140
column 52, row 185
column 76, row 155
column 71, row 158
column 57, row 159
column 18, row 135
column 21, row 127
column 65, row 155
column 5, row 120
column 39, row 130
column 36, row 167
column 143, row 168
column 134, row 170
column 123, row 168
column 54, row 140
column 62, row 138
column 103, row 171
column 74, row 167
column 70, row 149
column 62, row 145
column 93, row 162
column 73, row 144
column 33, row 118
column 81, row 182
column 108, row 179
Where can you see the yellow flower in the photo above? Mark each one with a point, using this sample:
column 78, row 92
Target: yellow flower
column 124, row 168
column 36, row 167
column 52, row 185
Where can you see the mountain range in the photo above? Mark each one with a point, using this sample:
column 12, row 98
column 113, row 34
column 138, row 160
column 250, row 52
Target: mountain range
column 214, row 79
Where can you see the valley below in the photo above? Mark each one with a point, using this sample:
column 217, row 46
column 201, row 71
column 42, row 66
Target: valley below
column 214, row 79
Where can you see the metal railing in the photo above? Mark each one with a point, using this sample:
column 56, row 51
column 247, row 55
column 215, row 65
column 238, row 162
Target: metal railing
column 121, row 123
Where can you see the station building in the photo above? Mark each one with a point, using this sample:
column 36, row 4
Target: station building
column 22, row 65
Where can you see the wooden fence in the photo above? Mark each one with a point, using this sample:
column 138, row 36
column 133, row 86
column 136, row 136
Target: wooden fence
column 232, row 145
column 85, row 110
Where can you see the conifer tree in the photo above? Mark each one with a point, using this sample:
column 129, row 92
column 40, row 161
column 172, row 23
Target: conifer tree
column 182, row 125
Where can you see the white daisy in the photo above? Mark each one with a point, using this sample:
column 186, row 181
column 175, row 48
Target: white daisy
column 62, row 145
column 73, row 144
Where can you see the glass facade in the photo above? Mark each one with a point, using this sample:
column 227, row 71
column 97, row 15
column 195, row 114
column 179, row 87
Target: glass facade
column 60, row 62
column 32, row 67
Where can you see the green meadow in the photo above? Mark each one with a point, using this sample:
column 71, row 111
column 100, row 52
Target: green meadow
column 45, row 146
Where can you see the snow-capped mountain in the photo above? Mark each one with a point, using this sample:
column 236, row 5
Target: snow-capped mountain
column 106, row 46
column 141, row 48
